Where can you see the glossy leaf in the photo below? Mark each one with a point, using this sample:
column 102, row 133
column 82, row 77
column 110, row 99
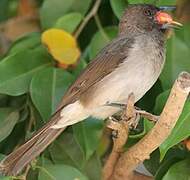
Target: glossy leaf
column 158, row 3
column 136, row 1
column 5, row 178
column 69, row 22
column 166, row 2
column 17, row 70
column 93, row 167
column 47, row 88
column 101, row 39
column 179, row 171
column 87, row 133
column 118, row 7
column 52, row 10
column 184, row 34
column 60, row 172
column 61, row 45
column 62, row 151
column 3, row 100
column 4, row 7
column 27, row 42
column 161, row 101
column 8, row 119
column 173, row 156
column 177, row 57
column 2, row 156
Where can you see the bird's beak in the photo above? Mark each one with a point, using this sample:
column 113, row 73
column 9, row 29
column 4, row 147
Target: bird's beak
column 166, row 20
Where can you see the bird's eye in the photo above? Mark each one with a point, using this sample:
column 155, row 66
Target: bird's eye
column 147, row 12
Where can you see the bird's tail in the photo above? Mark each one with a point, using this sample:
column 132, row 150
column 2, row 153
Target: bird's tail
column 18, row 159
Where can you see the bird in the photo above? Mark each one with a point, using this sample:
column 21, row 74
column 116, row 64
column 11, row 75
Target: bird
column 130, row 63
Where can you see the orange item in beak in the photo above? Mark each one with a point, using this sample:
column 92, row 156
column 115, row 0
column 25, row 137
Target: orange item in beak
column 164, row 18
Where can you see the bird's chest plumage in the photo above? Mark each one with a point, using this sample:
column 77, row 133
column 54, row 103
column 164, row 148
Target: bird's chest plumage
column 136, row 74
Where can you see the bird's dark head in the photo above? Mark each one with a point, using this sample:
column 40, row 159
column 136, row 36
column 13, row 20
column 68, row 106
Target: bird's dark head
column 143, row 18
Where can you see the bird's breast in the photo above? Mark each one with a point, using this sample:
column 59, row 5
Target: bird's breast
column 136, row 74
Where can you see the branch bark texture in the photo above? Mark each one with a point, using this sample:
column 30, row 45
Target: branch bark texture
column 130, row 159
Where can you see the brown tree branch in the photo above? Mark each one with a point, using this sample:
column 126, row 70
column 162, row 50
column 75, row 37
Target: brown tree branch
column 122, row 129
column 122, row 134
column 130, row 159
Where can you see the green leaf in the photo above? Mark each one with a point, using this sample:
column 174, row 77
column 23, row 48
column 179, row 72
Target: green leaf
column 8, row 119
column 118, row 7
column 158, row 3
column 17, row 70
column 4, row 8
column 152, row 163
column 101, row 39
column 47, row 88
column 181, row 129
column 24, row 114
column 52, row 10
column 69, row 22
column 88, row 133
column 2, row 156
column 4, row 99
column 177, row 58
column 136, row 1
column 166, row 2
column 179, row 171
column 184, row 34
column 161, row 101
column 29, row 41
column 148, row 103
column 173, row 156
column 66, row 150
column 5, row 178
column 93, row 167
column 60, row 172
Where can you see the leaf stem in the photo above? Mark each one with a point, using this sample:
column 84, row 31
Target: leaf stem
column 91, row 14
column 101, row 29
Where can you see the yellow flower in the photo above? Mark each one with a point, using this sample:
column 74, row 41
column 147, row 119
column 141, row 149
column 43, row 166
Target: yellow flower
column 61, row 45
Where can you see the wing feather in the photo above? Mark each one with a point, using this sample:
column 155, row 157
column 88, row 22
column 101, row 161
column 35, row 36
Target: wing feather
column 106, row 61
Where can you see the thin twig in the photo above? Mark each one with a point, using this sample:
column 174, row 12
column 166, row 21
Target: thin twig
column 99, row 25
column 143, row 113
column 91, row 14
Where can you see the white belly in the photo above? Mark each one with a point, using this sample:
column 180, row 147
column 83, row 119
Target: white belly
column 136, row 75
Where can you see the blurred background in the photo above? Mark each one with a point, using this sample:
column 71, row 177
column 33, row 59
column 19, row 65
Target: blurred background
column 44, row 45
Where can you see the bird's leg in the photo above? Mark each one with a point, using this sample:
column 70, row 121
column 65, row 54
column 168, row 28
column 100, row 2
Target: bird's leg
column 139, row 112
column 129, row 114
column 147, row 115
column 111, row 121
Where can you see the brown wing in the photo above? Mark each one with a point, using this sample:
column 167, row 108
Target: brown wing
column 107, row 60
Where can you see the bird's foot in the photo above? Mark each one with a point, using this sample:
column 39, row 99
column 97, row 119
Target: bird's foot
column 129, row 114
column 111, row 124
column 138, row 112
